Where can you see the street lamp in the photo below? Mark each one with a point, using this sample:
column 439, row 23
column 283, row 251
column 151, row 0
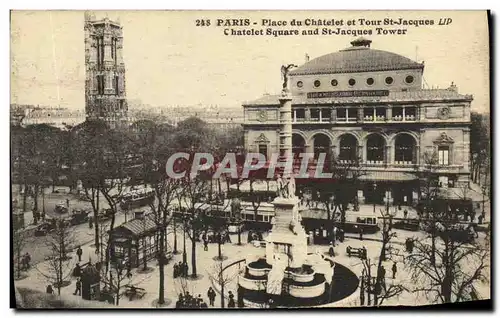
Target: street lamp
column 374, row 189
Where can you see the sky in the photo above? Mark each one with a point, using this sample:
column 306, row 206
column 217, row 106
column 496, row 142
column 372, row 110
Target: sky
column 170, row 61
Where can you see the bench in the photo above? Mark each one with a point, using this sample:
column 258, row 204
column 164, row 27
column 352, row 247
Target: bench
column 358, row 252
column 134, row 292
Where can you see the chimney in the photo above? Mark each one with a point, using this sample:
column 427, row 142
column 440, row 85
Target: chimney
column 139, row 215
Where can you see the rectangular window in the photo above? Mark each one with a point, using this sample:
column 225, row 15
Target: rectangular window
column 342, row 114
column 443, row 155
column 314, row 114
column 326, row 113
column 266, row 218
column 369, row 113
column 300, row 114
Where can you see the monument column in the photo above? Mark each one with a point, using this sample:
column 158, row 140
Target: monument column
column 285, row 145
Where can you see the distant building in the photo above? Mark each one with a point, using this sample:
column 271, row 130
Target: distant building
column 105, row 97
column 61, row 118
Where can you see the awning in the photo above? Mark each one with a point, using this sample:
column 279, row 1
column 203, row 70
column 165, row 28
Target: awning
column 388, row 176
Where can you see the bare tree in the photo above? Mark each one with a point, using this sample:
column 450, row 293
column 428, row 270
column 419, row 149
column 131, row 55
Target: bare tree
column 457, row 267
column 220, row 277
column 60, row 242
column 165, row 193
column 449, row 262
column 375, row 283
column 194, row 191
column 115, row 279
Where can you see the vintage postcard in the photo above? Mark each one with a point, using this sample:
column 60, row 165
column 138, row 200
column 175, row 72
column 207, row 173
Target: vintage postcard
column 250, row 159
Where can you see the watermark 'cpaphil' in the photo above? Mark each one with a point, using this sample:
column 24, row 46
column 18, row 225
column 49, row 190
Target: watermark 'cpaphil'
column 286, row 166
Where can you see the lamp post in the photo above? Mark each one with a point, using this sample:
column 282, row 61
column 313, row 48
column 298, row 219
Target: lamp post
column 374, row 189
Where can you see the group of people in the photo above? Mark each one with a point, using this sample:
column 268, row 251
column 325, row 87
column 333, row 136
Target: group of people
column 188, row 301
column 181, row 270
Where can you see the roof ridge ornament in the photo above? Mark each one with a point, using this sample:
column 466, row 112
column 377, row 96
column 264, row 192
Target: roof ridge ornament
column 361, row 41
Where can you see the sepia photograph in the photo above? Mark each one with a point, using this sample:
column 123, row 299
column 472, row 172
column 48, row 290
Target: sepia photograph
column 250, row 159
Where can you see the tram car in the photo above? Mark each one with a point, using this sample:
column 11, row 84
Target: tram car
column 137, row 198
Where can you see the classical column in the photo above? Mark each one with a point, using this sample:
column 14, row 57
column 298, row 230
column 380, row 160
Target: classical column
column 389, row 157
column 361, row 150
column 389, row 112
column 361, row 113
column 308, row 114
column 333, row 115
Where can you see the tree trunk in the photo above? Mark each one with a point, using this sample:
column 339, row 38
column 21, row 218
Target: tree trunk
column 219, row 247
column 25, row 196
column 96, row 219
column 175, row 236
column 193, row 253
column 221, row 290
column 161, row 297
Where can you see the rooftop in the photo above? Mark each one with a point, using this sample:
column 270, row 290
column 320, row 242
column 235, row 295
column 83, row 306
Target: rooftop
column 393, row 96
column 357, row 58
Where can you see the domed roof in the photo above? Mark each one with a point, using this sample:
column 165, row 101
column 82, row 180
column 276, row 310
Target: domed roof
column 358, row 58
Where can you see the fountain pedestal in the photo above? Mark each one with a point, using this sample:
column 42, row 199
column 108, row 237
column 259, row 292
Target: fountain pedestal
column 287, row 238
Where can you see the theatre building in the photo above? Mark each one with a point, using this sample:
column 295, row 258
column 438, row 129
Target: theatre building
column 369, row 105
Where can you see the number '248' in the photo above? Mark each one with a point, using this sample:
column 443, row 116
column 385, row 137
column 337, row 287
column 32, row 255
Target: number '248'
column 202, row 22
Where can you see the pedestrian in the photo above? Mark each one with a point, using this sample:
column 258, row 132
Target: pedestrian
column 330, row 250
column 176, row 270
column 79, row 253
column 67, row 203
column 186, row 269
column 394, row 270
column 27, row 260
column 77, row 270
column 334, row 235
column 91, row 222
column 231, row 303
column 360, row 233
column 78, row 287
column 405, row 213
column 205, row 245
column 49, row 289
column 342, row 235
column 480, row 219
column 199, row 300
column 43, row 215
column 211, row 296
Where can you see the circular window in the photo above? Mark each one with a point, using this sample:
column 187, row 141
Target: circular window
column 389, row 80
column 300, row 84
column 409, row 79
column 352, row 82
column 317, row 83
column 335, row 82
column 370, row 81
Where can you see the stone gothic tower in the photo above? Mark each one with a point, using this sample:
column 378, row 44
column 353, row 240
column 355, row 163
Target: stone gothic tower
column 105, row 97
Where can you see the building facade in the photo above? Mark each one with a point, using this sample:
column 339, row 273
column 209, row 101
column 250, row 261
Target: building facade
column 105, row 97
column 369, row 106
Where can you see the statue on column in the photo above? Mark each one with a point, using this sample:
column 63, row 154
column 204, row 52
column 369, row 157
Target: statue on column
column 284, row 74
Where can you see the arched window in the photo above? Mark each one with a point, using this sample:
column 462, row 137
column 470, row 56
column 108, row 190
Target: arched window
column 348, row 148
column 404, row 147
column 375, row 146
column 298, row 145
column 321, row 145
